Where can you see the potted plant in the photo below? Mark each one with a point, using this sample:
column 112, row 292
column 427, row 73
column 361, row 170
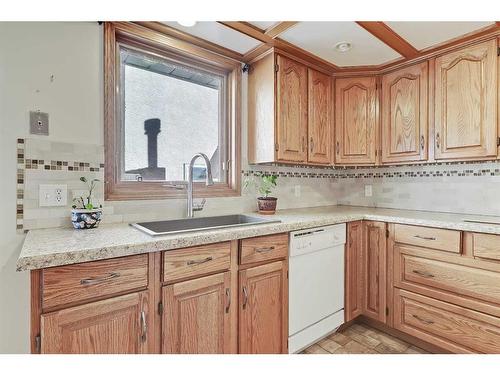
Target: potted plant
column 84, row 214
column 265, row 185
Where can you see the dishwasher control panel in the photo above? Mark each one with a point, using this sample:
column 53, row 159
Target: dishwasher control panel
column 314, row 239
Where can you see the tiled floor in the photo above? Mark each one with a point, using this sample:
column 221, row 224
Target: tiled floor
column 361, row 339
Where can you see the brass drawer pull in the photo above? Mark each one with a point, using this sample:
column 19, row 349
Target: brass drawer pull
column 228, row 299
column 201, row 261
column 245, row 297
column 264, row 249
column 97, row 280
column 425, row 321
column 144, row 327
column 425, row 238
column 423, row 273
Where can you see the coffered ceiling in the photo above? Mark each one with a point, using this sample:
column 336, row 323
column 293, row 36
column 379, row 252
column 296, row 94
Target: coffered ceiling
column 372, row 44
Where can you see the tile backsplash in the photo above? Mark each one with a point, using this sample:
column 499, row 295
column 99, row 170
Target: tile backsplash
column 449, row 187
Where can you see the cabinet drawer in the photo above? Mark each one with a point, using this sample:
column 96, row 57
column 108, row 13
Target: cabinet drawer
column 451, row 327
column 486, row 246
column 434, row 238
column 81, row 282
column 195, row 261
column 464, row 277
column 264, row 248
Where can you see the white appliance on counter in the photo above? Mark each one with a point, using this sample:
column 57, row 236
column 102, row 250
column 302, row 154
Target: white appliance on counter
column 316, row 284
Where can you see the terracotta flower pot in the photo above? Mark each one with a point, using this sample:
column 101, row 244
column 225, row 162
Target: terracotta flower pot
column 267, row 205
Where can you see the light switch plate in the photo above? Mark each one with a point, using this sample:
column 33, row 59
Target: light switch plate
column 53, row 195
column 368, row 191
column 39, row 123
column 296, row 191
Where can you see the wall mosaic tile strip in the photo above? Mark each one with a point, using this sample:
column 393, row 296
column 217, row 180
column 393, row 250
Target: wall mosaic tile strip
column 59, row 165
column 20, row 150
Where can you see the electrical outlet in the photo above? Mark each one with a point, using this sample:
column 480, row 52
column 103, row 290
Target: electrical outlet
column 368, row 191
column 296, row 191
column 53, row 195
column 39, row 123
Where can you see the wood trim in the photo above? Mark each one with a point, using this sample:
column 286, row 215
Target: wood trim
column 279, row 28
column 256, row 52
column 200, row 42
column 233, row 269
column 36, row 309
column 154, row 290
column 388, row 36
column 137, row 35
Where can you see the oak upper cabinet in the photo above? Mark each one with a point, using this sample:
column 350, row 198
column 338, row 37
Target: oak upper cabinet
column 113, row 326
column 404, row 115
column 465, row 103
column 263, row 318
column 374, row 270
column 319, row 117
column 196, row 317
column 356, row 120
column 291, row 110
column 354, row 271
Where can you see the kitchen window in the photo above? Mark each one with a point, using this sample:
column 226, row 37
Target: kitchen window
column 164, row 104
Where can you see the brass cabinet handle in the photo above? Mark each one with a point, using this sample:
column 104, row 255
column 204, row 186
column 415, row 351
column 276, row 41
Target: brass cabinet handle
column 201, row 261
column 437, row 140
column 338, row 147
column 264, row 249
column 228, row 299
column 245, row 297
column 98, row 280
column 425, row 321
column 422, row 142
column 144, row 330
column 425, row 238
column 423, row 273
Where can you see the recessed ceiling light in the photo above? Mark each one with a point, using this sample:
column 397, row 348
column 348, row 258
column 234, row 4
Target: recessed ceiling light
column 187, row 23
column 343, row 46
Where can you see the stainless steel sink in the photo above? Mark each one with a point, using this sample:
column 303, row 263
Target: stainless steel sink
column 157, row 228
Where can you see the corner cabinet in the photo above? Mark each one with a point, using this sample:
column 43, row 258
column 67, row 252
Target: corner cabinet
column 289, row 112
column 404, row 115
column 465, row 103
column 356, row 120
column 354, row 271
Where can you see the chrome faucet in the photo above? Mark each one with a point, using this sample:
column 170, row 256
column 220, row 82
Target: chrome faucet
column 191, row 207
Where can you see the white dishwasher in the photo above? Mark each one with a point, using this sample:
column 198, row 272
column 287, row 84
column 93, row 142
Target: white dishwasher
column 316, row 284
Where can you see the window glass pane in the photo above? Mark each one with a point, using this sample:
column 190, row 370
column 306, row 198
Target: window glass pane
column 170, row 112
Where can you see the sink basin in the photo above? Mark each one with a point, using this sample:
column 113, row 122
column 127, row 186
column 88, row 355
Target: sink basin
column 157, row 228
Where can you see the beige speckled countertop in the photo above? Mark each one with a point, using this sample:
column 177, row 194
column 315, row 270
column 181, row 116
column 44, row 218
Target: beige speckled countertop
column 44, row 248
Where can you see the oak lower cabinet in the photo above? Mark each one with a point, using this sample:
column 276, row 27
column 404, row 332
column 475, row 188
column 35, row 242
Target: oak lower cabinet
column 263, row 319
column 112, row 326
column 465, row 103
column 354, row 288
column 374, row 270
column 404, row 115
column 197, row 314
column 356, row 120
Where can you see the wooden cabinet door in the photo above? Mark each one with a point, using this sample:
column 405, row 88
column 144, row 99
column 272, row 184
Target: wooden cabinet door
column 355, row 120
column 196, row 316
column 319, row 117
column 291, row 110
column 465, row 103
column 404, row 115
column 354, row 271
column 263, row 320
column 374, row 259
column 112, row 326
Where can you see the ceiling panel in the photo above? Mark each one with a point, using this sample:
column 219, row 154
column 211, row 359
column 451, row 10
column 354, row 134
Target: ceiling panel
column 320, row 38
column 426, row 34
column 219, row 34
column 264, row 25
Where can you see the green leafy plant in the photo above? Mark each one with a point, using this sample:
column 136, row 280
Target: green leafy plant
column 264, row 184
column 86, row 203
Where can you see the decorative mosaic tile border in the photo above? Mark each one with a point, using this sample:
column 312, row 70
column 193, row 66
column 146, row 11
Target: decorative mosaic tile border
column 58, row 165
column 20, row 184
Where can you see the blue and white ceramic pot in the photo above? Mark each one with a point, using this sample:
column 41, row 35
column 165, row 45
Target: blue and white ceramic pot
column 86, row 219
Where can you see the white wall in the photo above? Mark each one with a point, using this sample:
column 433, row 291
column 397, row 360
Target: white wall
column 29, row 54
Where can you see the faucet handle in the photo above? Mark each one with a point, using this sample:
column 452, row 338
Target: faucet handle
column 199, row 206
